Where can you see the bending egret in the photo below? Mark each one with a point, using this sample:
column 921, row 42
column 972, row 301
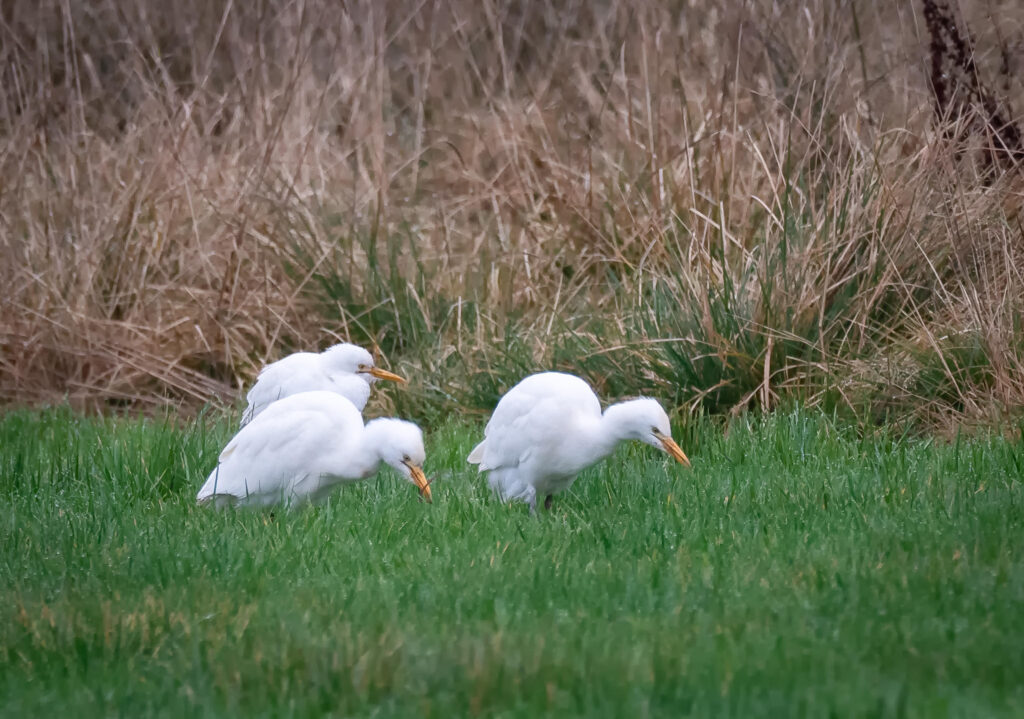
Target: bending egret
column 549, row 427
column 344, row 369
column 303, row 446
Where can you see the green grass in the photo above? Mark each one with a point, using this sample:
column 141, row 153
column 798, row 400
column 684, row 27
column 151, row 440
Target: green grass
column 798, row 570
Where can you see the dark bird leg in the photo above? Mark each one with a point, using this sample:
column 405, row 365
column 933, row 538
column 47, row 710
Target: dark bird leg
column 547, row 502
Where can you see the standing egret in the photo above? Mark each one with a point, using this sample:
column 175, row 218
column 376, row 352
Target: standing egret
column 344, row 369
column 549, row 427
column 303, row 446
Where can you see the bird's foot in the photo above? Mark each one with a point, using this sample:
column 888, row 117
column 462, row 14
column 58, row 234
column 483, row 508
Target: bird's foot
column 547, row 503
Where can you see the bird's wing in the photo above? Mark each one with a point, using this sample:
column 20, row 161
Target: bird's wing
column 510, row 441
column 566, row 388
column 532, row 414
column 281, row 445
column 477, row 455
column 299, row 372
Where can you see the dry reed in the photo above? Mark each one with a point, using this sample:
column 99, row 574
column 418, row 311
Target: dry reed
column 730, row 204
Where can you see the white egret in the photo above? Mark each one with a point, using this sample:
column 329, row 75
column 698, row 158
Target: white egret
column 344, row 369
column 549, row 427
column 303, row 446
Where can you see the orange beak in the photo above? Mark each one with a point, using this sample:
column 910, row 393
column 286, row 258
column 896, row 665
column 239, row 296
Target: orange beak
column 384, row 374
column 421, row 481
column 672, row 448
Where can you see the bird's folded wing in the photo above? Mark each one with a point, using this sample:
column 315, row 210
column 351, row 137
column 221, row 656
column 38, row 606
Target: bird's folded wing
column 268, row 455
column 293, row 374
column 515, row 433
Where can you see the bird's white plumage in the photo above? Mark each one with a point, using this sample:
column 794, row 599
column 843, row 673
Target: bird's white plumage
column 303, row 446
column 549, row 427
column 521, row 423
column 336, row 369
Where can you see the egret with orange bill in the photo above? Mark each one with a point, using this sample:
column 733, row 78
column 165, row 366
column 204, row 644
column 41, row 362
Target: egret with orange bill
column 550, row 427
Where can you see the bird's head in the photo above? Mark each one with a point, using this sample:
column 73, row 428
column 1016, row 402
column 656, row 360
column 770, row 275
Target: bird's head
column 350, row 359
column 400, row 444
column 643, row 419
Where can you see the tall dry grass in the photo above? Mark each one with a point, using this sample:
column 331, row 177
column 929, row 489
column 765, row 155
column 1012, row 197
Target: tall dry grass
column 730, row 204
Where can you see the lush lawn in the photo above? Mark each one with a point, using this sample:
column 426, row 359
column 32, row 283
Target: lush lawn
column 796, row 570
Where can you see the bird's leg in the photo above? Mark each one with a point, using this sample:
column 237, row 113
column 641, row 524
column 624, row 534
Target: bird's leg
column 532, row 502
column 547, row 502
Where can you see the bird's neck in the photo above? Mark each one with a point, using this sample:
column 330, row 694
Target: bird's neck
column 364, row 456
column 352, row 387
column 599, row 437
column 611, row 430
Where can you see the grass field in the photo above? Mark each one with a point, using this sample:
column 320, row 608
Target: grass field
column 798, row 570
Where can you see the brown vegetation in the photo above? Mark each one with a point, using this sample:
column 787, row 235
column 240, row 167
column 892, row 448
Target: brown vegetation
column 729, row 204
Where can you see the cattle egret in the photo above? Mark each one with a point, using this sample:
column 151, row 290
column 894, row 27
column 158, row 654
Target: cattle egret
column 303, row 446
column 344, row 369
column 549, row 427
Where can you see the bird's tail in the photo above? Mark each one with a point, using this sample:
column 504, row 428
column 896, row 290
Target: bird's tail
column 477, row 455
column 251, row 406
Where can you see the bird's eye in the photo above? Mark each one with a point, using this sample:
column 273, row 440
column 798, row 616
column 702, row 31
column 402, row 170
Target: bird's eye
column 406, row 458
